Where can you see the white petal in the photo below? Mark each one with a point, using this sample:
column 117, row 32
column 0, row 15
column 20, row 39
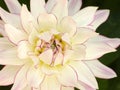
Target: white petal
column 67, row 88
column 67, row 76
column 7, row 74
column 85, row 16
column 84, row 74
column 100, row 70
column 60, row 9
column 27, row 88
column 74, row 6
column 13, row 6
column 20, row 79
column 2, row 31
column 46, row 56
column 95, row 48
column 50, row 83
column 34, row 77
column 9, row 57
column 100, row 17
column 14, row 34
column 10, row 18
column 37, row 7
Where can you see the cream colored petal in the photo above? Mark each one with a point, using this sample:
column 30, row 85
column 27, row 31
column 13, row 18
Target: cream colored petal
column 2, row 31
column 100, row 70
column 82, row 35
column 20, row 80
column 84, row 73
column 9, row 57
column 15, row 35
column 50, row 83
column 46, row 56
column 13, row 6
column 85, row 16
column 66, row 38
column 7, row 74
column 74, row 6
column 10, row 18
column 67, row 88
column 35, row 77
column 37, row 7
column 27, row 88
column 67, row 76
column 60, row 9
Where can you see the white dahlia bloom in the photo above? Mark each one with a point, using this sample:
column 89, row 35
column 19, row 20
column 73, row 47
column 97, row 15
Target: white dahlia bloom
column 53, row 46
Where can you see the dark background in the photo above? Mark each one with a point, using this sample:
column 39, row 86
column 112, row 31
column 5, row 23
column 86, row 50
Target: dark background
column 111, row 28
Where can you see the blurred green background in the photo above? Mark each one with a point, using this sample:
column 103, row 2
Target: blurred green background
column 111, row 28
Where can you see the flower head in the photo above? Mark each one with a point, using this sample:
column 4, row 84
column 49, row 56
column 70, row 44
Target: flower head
column 53, row 46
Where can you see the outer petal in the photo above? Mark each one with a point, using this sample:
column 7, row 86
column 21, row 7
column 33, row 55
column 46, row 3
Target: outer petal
column 7, row 74
column 37, row 7
column 94, row 50
column 84, row 74
column 20, row 80
column 14, row 34
column 74, row 6
column 60, row 9
column 67, row 76
column 100, row 70
column 27, row 88
column 67, row 88
column 13, row 6
column 10, row 18
column 11, row 58
column 85, row 16
column 2, row 32
column 50, row 83
column 34, row 77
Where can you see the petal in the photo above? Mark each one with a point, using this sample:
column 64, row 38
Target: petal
column 14, row 34
column 67, row 76
column 37, row 7
column 27, row 88
column 84, row 74
column 27, row 19
column 74, row 6
column 11, row 58
column 67, row 88
column 7, row 74
column 100, row 17
column 20, row 78
column 100, row 70
column 85, row 16
column 2, row 31
column 10, row 18
column 34, row 77
column 95, row 48
column 49, row 54
column 82, row 35
column 60, row 9
column 50, row 83
column 13, row 6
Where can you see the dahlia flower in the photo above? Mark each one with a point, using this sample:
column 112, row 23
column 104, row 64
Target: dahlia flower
column 53, row 46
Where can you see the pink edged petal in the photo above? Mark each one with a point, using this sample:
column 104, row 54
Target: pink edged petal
column 15, row 35
column 67, row 76
column 100, row 70
column 50, row 83
column 10, row 18
column 100, row 17
column 67, row 88
column 85, row 16
column 34, row 77
column 7, row 74
column 96, row 48
column 37, row 7
column 82, row 35
column 27, row 19
column 2, row 31
column 74, row 6
column 23, row 48
column 5, row 44
column 60, row 9
column 20, row 80
column 11, row 58
column 13, row 6
column 84, row 74
column 49, row 54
